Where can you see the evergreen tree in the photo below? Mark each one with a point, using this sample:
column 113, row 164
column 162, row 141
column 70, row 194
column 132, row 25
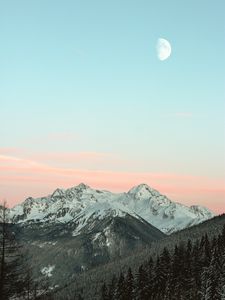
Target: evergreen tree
column 189, row 284
column 192, row 272
column 120, row 289
column 104, row 292
column 11, row 280
column 223, row 236
column 162, row 271
column 212, row 276
column 150, row 276
column 16, row 280
column 141, row 284
column 221, row 284
column 207, row 251
column 129, row 285
column 112, row 288
column 196, row 271
column 175, row 275
column 80, row 297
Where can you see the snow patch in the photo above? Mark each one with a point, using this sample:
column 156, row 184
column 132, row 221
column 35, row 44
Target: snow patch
column 108, row 237
column 47, row 271
column 96, row 236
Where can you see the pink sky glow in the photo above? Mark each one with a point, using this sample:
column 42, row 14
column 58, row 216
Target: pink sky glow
column 21, row 177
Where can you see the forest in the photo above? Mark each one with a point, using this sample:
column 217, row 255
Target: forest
column 191, row 271
column 16, row 276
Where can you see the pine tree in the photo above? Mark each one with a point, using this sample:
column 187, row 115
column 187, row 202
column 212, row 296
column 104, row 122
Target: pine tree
column 16, row 280
column 162, row 272
column 104, row 293
column 193, row 272
column 129, row 285
column 155, row 281
column 120, row 289
column 176, row 280
column 212, row 276
column 223, row 236
column 150, row 277
column 196, row 271
column 141, row 284
column 207, row 251
column 112, row 288
column 188, row 272
column 221, row 283
column 80, row 297
column 11, row 281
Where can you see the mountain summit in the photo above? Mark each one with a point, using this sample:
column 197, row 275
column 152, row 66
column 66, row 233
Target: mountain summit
column 80, row 204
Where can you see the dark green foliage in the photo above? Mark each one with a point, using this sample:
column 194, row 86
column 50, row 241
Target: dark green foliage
column 141, row 287
column 112, row 287
column 16, row 278
column 120, row 288
column 162, row 271
column 150, row 274
column 11, row 280
column 129, row 285
column 211, row 278
column 190, row 272
column 105, row 292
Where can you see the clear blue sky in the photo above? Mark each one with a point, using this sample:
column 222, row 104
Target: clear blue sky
column 88, row 71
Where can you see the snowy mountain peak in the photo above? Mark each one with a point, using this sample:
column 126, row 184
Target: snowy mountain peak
column 78, row 188
column 143, row 191
column 58, row 192
column 84, row 203
column 82, row 186
column 140, row 188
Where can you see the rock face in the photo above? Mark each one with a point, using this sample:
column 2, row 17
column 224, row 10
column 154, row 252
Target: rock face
column 82, row 204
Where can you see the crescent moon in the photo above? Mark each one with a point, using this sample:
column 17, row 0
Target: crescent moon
column 163, row 48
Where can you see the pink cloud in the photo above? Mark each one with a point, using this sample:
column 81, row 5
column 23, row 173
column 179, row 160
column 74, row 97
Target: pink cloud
column 65, row 157
column 51, row 161
column 20, row 178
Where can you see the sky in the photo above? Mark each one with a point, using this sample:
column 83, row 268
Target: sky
column 84, row 98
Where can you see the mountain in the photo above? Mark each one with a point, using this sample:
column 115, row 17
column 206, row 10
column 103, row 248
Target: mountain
column 82, row 204
column 58, row 252
column 75, row 230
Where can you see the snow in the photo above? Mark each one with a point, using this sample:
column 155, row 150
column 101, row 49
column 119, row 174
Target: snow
column 44, row 244
column 96, row 236
column 107, row 236
column 47, row 271
column 82, row 205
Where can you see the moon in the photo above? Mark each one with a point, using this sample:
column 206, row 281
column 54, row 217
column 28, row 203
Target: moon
column 163, row 48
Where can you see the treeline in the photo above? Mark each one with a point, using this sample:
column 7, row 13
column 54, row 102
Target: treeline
column 191, row 271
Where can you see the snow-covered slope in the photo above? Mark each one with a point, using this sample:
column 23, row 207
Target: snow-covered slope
column 82, row 204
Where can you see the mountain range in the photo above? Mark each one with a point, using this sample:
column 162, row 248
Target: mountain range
column 81, row 205
column 75, row 230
